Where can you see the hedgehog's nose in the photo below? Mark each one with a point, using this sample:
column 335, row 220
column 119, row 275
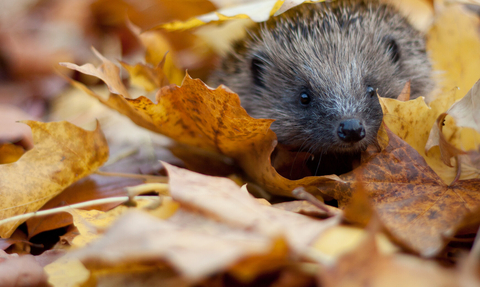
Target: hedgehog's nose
column 351, row 130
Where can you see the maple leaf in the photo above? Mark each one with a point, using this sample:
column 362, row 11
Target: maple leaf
column 411, row 200
column 210, row 119
column 54, row 163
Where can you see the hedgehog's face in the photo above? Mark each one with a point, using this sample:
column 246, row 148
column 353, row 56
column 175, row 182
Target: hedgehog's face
column 324, row 104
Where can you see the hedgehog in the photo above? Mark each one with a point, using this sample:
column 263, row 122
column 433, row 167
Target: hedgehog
column 317, row 69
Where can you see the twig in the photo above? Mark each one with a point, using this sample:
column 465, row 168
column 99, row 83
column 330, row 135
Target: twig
column 26, row 216
column 300, row 193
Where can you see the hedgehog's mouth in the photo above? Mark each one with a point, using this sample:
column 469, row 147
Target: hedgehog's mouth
column 349, row 148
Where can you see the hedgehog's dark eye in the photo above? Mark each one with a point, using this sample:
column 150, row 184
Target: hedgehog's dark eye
column 304, row 98
column 392, row 48
column 371, row 91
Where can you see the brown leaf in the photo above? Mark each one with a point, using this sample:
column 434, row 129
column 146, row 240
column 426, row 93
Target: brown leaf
column 21, row 271
column 53, row 164
column 138, row 238
column 405, row 93
column 304, row 207
column 411, row 201
column 108, row 72
column 226, row 201
column 12, row 131
column 447, row 150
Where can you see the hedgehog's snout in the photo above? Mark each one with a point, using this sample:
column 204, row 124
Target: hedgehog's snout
column 351, row 130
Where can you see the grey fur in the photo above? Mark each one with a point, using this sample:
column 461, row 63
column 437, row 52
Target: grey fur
column 333, row 51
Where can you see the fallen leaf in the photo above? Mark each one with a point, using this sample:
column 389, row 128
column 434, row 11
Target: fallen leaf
column 437, row 138
column 137, row 237
column 160, row 58
column 405, row 93
column 413, row 120
column 304, row 207
column 257, row 11
column 454, row 47
column 412, row 202
column 92, row 223
column 66, row 271
column 53, row 164
column 237, row 208
column 108, row 72
column 289, row 4
column 21, row 271
column 146, row 76
column 10, row 152
column 465, row 114
column 340, row 240
column 465, row 111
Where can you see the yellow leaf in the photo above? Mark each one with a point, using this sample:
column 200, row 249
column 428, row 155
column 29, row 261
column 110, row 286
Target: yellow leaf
column 258, row 11
column 91, row 223
column 10, row 152
column 63, row 154
column 412, row 122
column 157, row 46
column 454, row 46
column 67, row 272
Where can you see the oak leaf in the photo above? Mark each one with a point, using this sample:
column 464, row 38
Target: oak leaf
column 54, row 163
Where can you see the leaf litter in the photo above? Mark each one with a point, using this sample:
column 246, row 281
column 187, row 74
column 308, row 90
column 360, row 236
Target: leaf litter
column 208, row 227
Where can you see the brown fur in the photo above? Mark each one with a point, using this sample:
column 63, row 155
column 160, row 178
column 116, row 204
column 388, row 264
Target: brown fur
column 332, row 52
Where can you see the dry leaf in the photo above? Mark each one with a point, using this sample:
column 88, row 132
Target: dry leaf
column 466, row 111
column 454, row 46
column 108, row 72
column 412, row 202
column 257, row 11
column 53, row 164
column 237, row 208
column 10, row 152
column 21, row 271
column 137, row 237
column 413, row 120
column 289, row 4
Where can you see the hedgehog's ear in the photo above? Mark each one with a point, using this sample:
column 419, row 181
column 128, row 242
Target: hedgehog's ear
column 392, row 48
column 257, row 66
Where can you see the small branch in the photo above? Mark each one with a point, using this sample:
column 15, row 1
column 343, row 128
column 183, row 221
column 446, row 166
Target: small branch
column 301, row 194
column 24, row 217
column 155, row 178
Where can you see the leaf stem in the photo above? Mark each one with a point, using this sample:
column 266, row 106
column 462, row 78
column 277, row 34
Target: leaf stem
column 24, row 217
